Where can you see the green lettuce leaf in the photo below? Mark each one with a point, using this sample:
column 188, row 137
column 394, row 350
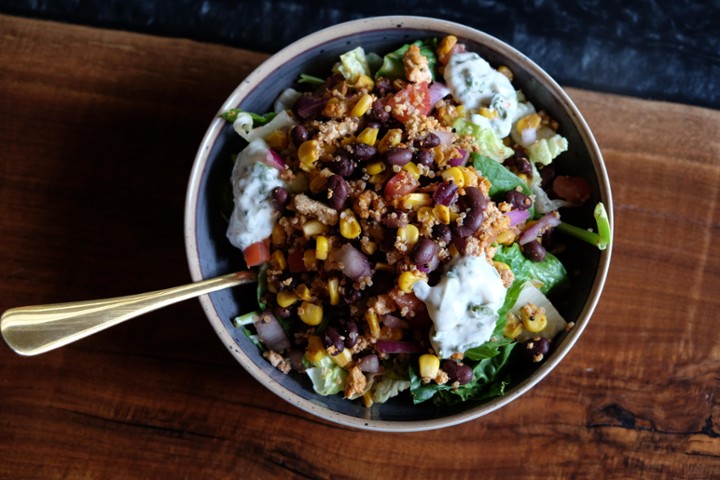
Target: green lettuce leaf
column 353, row 64
column 550, row 272
column 545, row 150
column 488, row 143
column 257, row 119
column 327, row 377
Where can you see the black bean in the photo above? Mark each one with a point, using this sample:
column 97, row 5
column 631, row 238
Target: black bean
column 471, row 223
column 424, row 157
column 428, row 141
column 474, row 199
column 424, row 251
column 442, row 233
column 299, row 134
column 337, row 192
column 378, row 111
column 445, row 193
column 351, row 334
column 333, row 339
column 534, row 251
column 398, row 156
column 457, row 372
column 363, row 152
column 280, row 198
column 518, row 200
column 537, row 348
column 342, row 164
column 373, row 124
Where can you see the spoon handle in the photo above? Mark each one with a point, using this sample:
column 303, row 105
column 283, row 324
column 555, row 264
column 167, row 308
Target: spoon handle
column 41, row 328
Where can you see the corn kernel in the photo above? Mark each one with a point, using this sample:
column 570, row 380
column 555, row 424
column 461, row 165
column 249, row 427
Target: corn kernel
column 531, row 121
column 429, row 366
column 488, row 113
column 442, row 213
column 309, row 259
column 506, row 238
column 469, row 176
column 453, row 251
column 368, row 247
column 425, row 215
column 381, row 177
column 303, row 292
column 285, row 298
column 408, row 278
column 278, row 236
column 310, row 313
column 373, row 324
column 505, row 70
column 446, row 44
column 513, row 328
column 315, row 350
column 391, row 139
column 321, row 247
column 375, row 168
column 278, row 139
column 413, row 201
column 278, row 259
column 408, row 235
column 364, row 82
column 412, row 169
column 455, row 175
column 342, row 358
column 367, row 400
column 362, row 106
column 533, row 318
column 501, row 266
column 308, row 154
column 368, row 136
column 312, row 228
column 349, row 226
column 333, row 290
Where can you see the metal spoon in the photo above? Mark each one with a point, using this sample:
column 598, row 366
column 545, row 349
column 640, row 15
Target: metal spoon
column 41, row 328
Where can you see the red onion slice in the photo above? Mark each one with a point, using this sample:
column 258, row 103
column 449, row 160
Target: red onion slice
column 517, row 216
column 438, row 91
column 271, row 332
column 397, row 346
column 446, row 138
column 273, row 159
column 393, row 322
column 549, row 220
column 369, row 363
column 352, row 262
column 459, row 161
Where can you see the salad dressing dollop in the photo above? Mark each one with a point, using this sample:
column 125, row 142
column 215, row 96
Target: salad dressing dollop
column 463, row 305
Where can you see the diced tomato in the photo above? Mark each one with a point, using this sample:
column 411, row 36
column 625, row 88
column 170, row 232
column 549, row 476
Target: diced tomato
column 411, row 100
column 296, row 260
column 401, row 184
column 572, row 189
column 257, row 253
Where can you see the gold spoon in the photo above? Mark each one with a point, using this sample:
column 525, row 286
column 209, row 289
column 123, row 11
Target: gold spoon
column 41, row 328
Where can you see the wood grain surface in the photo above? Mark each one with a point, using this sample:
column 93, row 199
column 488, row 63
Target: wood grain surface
column 98, row 131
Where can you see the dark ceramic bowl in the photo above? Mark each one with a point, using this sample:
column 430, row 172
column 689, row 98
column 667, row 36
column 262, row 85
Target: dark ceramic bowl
column 210, row 254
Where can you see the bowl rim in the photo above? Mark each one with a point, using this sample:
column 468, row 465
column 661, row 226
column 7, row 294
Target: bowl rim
column 343, row 30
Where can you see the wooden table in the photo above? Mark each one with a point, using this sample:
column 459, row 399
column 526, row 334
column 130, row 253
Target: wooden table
column 98, row 130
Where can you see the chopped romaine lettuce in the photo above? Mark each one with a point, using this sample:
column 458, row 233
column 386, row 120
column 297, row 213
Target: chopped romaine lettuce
column 241, row 323
column 501, row 179
column 310, row 79
column 327, row 377
column 545, row 150
column 353, row 64
column 529, row 293
column 388, row 386
column 256, row 119
column 549, row 272
column 601, row 239
column 250, row 131
column 392, row 65
column 489, row 145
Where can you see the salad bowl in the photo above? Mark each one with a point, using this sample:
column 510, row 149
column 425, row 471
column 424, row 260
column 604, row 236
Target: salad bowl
column 210, row 254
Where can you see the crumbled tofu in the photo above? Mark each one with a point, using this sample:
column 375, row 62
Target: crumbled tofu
column 313, row 208
column 416, row 65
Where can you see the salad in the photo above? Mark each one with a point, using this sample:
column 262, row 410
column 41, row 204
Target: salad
column 403, row 213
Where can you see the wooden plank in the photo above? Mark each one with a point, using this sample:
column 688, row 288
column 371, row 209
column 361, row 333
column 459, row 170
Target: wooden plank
column 98, row 130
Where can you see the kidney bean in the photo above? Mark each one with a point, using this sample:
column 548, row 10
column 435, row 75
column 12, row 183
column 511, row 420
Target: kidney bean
column 445, row 194
column 378, row 110
column 363, row 152
column 428, row 141
column 383, row 86
column 280, row 198
column 474, row 199
column 424, row 251
column 299, row 134
column 424, row 157
column 471, row 223
column 333, row 339
column 351, row 334
column 457, row 372
column 337, row 192
column 342, row 164
column 398, row 156
column 534, row 251
column 518, row 200
column 442, row 233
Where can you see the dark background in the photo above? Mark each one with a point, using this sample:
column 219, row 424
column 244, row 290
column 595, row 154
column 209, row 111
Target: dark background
column 661, row 50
